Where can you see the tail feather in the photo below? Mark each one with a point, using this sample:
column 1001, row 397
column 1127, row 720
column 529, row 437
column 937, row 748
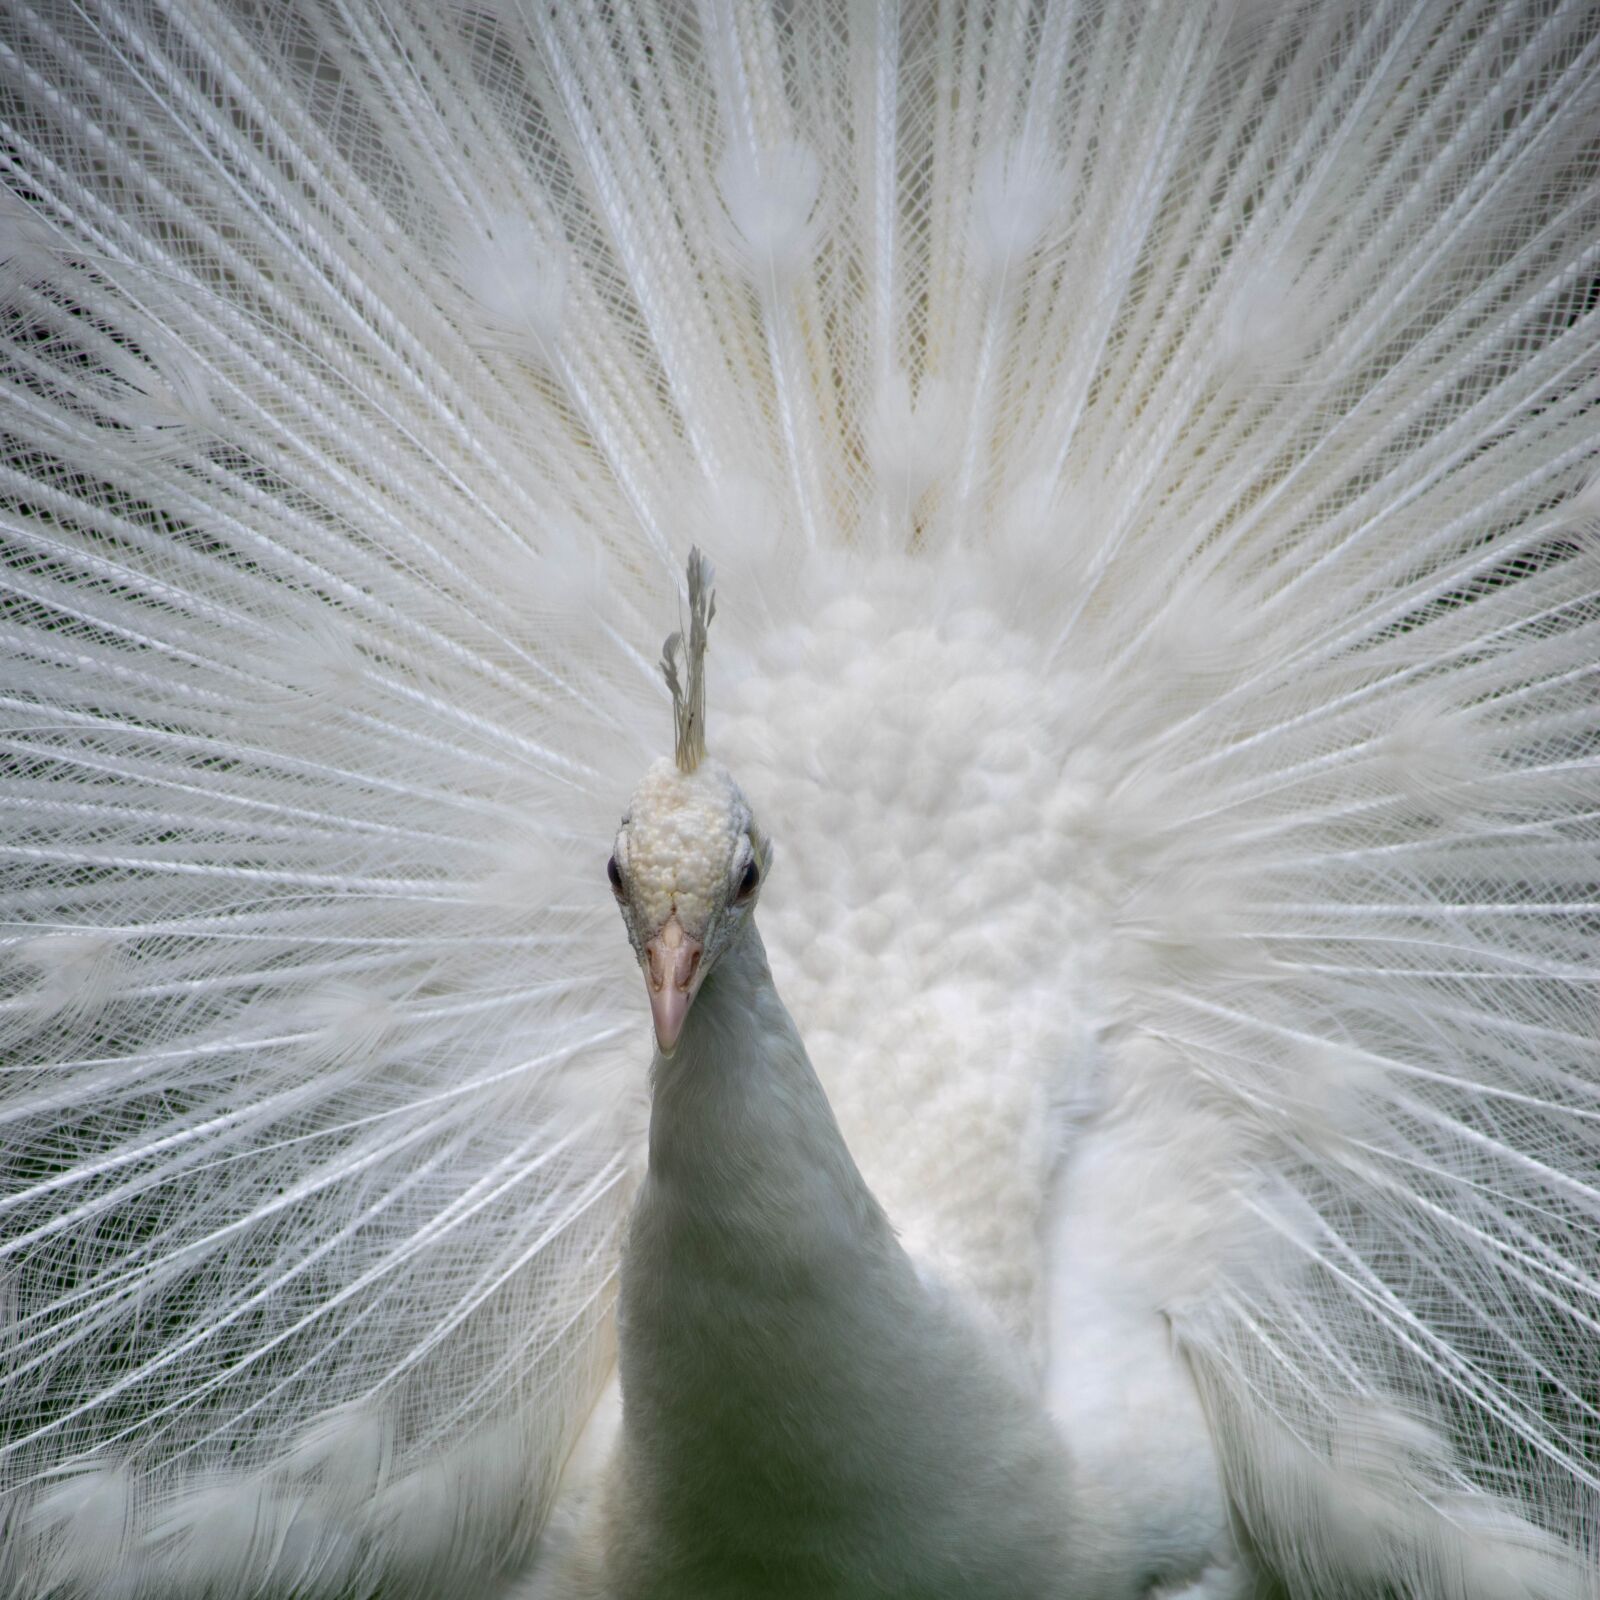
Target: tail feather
column 1361, row 1505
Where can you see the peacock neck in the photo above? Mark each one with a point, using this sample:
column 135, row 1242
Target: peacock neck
column 799, row 1408
column 741, row 1132
column 738, row 1112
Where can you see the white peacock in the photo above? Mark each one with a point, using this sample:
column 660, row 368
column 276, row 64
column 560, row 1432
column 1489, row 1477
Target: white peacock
column 1150, row 452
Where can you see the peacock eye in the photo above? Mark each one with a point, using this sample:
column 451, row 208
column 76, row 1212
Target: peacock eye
column 614, row 873
column 748, row 880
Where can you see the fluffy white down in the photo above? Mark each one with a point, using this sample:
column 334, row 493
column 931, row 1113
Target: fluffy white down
column 1149, row 452
column 897, row 727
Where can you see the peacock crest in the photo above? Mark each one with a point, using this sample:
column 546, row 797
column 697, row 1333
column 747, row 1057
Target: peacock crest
column 688, row 689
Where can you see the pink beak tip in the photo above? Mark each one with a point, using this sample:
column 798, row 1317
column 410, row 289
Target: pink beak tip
column 672, row 977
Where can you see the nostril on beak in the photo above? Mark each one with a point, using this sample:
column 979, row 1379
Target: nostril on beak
column 672, row 973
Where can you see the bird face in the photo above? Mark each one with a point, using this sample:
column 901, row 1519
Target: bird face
column 686, row 869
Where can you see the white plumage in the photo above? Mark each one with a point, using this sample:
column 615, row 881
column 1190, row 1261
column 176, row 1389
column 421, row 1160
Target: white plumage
column 1150, row 454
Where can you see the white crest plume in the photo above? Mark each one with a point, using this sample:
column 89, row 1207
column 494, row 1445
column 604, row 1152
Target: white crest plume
column 689, row 691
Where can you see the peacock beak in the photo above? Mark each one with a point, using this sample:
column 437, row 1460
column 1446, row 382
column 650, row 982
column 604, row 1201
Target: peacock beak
column 672, row 975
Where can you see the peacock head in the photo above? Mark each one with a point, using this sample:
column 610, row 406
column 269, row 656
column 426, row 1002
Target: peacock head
column 689, row 860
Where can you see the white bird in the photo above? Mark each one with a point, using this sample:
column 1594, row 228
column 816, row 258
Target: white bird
column 804, row 1413
column 1152, row 459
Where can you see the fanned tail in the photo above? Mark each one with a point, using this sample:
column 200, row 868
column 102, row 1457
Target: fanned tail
column 1153, row 449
